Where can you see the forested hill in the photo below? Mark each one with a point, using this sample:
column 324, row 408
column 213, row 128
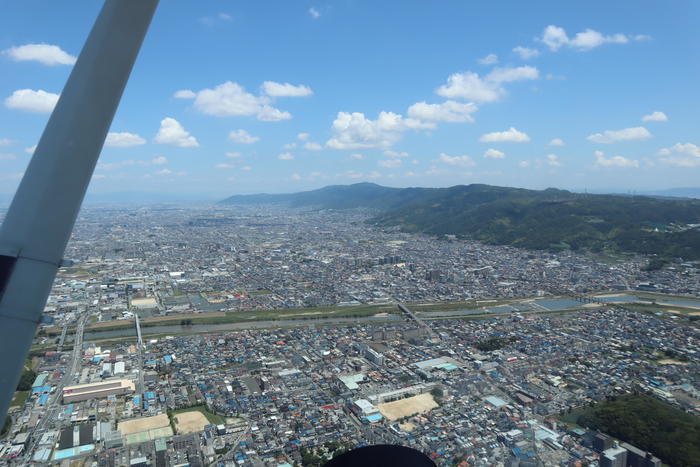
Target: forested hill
column 547, row 219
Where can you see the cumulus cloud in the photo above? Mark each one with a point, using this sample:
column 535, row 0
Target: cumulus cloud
column 511, row 135
column 655, row 117
column 303, row 136
column 45, row 54
column 243, row 137
column 29, row 100
column 164, row 172
column 357, row 156
column 171, row 132
column 230, row 99
column 461, row 161
column 553, row 160
column 224, row 165
column 556, row 142
column 526, row 53
column 296, row 176
column 448, row 111
column 494, row 154
column 123, row 140
column 311, row 146
column 615, row 161
column 470, row 85
column 395, row 154
column 681, row 155
column 390, row 163
column 287, row 156
column 626, row 134
column 555, row 37
column 233, row 155
column 274, row 89
column 355, row 131
column 184, row 94
column 315, row 14
column 160, row 160
column 490, row 59
column 524, row 164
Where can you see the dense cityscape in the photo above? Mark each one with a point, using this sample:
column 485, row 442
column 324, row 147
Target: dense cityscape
column 200, row 335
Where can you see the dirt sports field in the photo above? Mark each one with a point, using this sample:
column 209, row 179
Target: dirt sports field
column 143, row 424
column 190, row 422
column 407, row 407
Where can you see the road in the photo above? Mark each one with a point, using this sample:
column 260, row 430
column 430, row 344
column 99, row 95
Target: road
column 53, row 404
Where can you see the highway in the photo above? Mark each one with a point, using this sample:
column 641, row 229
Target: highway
column 53, row 404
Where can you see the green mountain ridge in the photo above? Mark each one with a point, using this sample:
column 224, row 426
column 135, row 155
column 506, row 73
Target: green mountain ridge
column 535, row 219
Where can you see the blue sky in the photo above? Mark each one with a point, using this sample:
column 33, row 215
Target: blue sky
column 240, row 97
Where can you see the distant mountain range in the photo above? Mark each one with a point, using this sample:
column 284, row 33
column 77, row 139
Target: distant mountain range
column 537, row 219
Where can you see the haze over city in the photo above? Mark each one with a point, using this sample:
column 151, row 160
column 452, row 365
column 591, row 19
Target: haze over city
column 285, row 96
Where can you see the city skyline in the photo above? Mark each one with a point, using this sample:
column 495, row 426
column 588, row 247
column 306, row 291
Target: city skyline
column 235, row 98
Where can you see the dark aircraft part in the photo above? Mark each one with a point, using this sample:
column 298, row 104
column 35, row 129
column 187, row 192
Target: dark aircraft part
column 381, row 455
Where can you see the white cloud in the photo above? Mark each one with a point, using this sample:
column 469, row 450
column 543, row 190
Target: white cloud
column 311, row 146
column 315, row 14
column 98, row 177
column 160, row 160
column 615, row 161
column 243, row 137
column 233, row 155
column 289, row 146
column 296, row 176
column 395, row 154
column 224, row 165
column 164, row 172
column 123, row 140
column 268, row 113
column 688, row 155
column 524, row 164
column 30, row 100
column 626, row 134
column 246, row 168
column 274, row 89
column 287, row 156
column 357, row 156
column 172, row 132
column 556, row 37
column 6, row 142
column 490, row 59
column 232, row 100
column 655, row 117
column 225, row 17
column 185, row 94
column 462, row 161
column 390, row 163
column 7, row 156
column 470, row 85
column 355, row 131
column 556, row 142
column 511, row 135
column 448, row 111
column 508, row 74
column 303, row 136
column 553, row 160
column 526, row 53
column 494, row 154
column 43, row 53
column 30, row 149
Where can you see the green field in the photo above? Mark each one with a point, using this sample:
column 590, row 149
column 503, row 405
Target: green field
column 19, row 398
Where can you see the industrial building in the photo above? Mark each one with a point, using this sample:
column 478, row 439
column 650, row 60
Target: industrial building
column 83, row 392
